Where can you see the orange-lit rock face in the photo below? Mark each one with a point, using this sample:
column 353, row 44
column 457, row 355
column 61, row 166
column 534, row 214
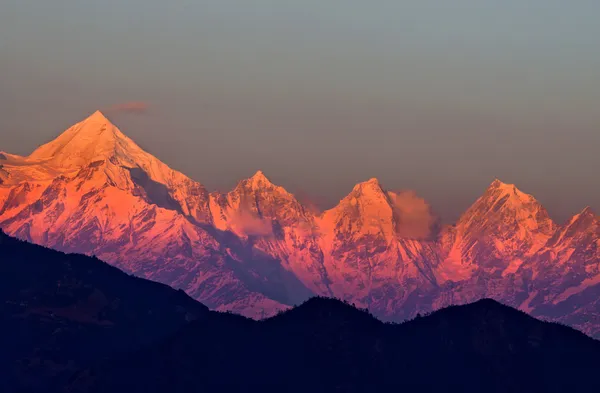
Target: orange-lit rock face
column 257, row 249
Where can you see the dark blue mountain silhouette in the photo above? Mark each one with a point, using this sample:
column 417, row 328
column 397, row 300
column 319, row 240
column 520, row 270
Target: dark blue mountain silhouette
column 61, row 312
column 71, row 323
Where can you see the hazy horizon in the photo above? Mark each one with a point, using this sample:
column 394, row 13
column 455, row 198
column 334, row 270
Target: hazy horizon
column 427, row 96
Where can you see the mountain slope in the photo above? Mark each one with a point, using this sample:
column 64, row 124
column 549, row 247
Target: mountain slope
column 92, row 190
column 271, row 221
column 367, row 259
column 257, row 250
column 325, row 345
column 61, row 312
column 500, row 230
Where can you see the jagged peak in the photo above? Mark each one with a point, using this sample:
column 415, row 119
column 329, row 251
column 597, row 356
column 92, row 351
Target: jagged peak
column 97, row 116
column 259, row 178
column 92, row 139
column 498, row 184
column 371, row 184
column 505, row 203
column 498, row 190
column 586, row 213
column 374, row 181
column 259, row 181
column 370, row 189
column 368, row 192
column 581, row 222
column 256, row 182
column 97, row 140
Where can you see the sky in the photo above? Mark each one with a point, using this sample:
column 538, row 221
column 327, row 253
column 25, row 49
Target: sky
column 440, row 97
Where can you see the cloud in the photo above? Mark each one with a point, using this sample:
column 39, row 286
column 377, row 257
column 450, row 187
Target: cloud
column 414, row 217
column 249, row 224
column 136, row 107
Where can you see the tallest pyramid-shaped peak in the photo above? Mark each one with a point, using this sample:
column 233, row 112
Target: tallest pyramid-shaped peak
column 97, row 116
column 92, row 139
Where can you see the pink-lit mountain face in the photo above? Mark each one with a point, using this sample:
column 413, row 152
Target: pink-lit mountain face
column 257, row 249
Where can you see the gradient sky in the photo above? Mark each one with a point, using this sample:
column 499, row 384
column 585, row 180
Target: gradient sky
column 436, row 96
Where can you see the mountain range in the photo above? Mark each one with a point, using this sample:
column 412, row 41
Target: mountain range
column 75, row 324
column 257, row 250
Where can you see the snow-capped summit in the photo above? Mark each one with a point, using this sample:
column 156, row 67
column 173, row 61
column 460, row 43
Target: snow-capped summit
column 510, row 192
column 95, row 145
column 585, row 224
column 256, row 200
column 366, row 208
column 90, row 140
column 505, row 203
column 503, row 228
column 260, row 180
column 372, row 184
column 588, row 211
column 497, row 183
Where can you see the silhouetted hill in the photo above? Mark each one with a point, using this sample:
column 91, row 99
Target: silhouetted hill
column 323, row 311
column 327, row 346
column 62, row 312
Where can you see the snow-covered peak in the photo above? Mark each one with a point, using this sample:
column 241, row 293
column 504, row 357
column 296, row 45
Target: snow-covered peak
column 92, row 139
column 371, row 183
column 581, row 232
column 367, row 193
column 588, row 212
column 259, row 180
column 366, row 209
column 369, row 189
column 506, row 196
column 497, row 183
column 98, row 117
column 506, row 220
column 583, row 220
column 97, row 140
column 501, row 188
column 254, row 204
column 260, row 184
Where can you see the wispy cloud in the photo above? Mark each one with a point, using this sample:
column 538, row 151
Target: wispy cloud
column 414, row 218
column 136, row 107
column 249, row 224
